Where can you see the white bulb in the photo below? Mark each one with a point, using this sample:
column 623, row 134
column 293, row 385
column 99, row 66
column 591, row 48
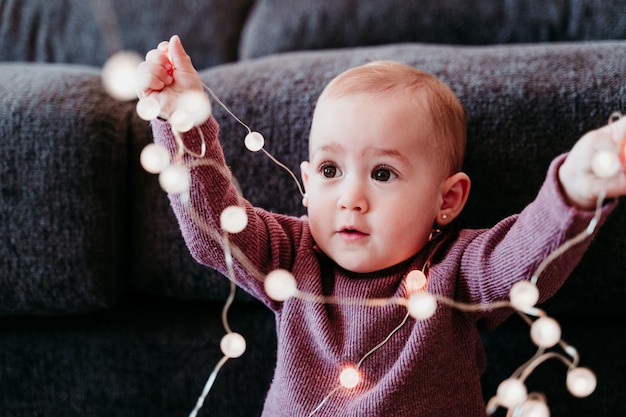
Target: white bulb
column 233, row 345
column 119, row 75
column 349, row 377
column 524, row 295
column 148, row 108
column 154, row 158
column 545, row 332
column 175, row 179
column 181, row 121
column 422, row 305
column 280, row 285
column 511, row 392
column 605, row 164
column 581, row 382
column 534, row 408
column 415, row 281
column 233, row 219
column 196, row 106
column 254, row 141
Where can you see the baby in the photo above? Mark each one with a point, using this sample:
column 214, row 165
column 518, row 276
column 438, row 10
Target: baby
column 383, row 189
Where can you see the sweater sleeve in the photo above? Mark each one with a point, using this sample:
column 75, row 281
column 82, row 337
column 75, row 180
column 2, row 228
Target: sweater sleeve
column 495, row 259
column 266, row 242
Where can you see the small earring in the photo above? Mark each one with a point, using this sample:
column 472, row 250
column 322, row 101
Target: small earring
column 444, row 217
column 305, row 200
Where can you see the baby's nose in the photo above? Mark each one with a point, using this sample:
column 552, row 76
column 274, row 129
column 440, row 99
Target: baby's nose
column 353, row 197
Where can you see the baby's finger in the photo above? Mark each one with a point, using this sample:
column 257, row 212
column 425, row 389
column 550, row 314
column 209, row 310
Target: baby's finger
column 152, row 77
column 616, row 129
column 159, row 57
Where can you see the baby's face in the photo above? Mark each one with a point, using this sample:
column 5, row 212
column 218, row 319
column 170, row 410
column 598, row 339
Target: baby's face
column 373, row 186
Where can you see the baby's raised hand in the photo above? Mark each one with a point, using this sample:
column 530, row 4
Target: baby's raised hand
column 583, row 182
column 166, row 74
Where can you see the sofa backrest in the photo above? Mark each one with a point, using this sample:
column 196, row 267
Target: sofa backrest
column 219, row 31
column 285, row 25
column 89, row 31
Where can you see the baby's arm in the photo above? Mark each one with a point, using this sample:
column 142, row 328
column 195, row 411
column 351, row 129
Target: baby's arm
column 267, row 241
column 580, row 184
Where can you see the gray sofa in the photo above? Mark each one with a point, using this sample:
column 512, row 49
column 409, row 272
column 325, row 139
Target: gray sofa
column 103, row 311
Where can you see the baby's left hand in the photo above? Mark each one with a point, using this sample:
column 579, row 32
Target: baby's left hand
column 580, row 184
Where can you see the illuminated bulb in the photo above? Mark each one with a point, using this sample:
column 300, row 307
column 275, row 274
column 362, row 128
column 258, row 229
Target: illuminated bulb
column 349, row 377
column 605, row 164
column 415, row 281
column 119, row 75
column 233, row 219
column 175, row 179
column 254, row 141
column 523, row 295
column 154, row 158
column 581, row 382
column 196, row 106
column 181, row 121
column 422, row 305
column 511, row 393
column 545, row 332
column 280, row 285
column 233, row 345
column 534, row 408
column 148, row 108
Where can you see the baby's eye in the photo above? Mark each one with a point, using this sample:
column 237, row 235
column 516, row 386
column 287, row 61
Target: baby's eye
column 383, row 174
column 330, row 171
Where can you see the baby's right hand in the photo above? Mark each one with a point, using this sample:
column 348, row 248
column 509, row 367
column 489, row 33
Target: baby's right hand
column 166, row 74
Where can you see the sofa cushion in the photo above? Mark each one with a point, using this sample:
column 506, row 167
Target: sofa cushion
column 525, row 104
column 63, row 190
column 88, row 32
column 284, row 25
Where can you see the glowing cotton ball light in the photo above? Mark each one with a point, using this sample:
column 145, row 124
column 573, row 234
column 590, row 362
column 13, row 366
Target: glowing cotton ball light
column 196, row 107
column 511, row 393
column 605, row 164
column 233, row 345
column 545, row 332
column 181, row 121
column 524, row 295
column 148, row 108
column 154, row 158
column 422, row 306
column 119, row 75
column 254, row 141
column 233, row 219
column 534, row 408
column 175, row 179
column 349, row 377
column 581, row 382
column 280, row 285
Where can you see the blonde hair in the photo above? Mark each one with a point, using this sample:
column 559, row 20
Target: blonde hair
column 434, row 96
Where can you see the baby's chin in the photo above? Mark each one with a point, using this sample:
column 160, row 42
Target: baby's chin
column 369, row 266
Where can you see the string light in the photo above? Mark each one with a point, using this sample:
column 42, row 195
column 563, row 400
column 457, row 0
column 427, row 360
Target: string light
column 119, row 75
column 349, row 377
column 280, row 285
column 233, row 219
column 154, row 158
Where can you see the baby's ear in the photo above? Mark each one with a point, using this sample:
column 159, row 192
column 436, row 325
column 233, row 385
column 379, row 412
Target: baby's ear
column 454, row 193
column 304, row 172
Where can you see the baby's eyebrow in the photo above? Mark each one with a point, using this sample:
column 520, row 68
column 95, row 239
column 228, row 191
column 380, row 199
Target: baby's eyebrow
column 334, row 148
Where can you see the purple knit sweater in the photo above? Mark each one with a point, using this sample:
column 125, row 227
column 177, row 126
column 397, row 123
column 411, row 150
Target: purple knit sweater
column 429, row 367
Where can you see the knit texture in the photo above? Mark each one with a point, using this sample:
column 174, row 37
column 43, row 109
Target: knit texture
column 283, row 25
